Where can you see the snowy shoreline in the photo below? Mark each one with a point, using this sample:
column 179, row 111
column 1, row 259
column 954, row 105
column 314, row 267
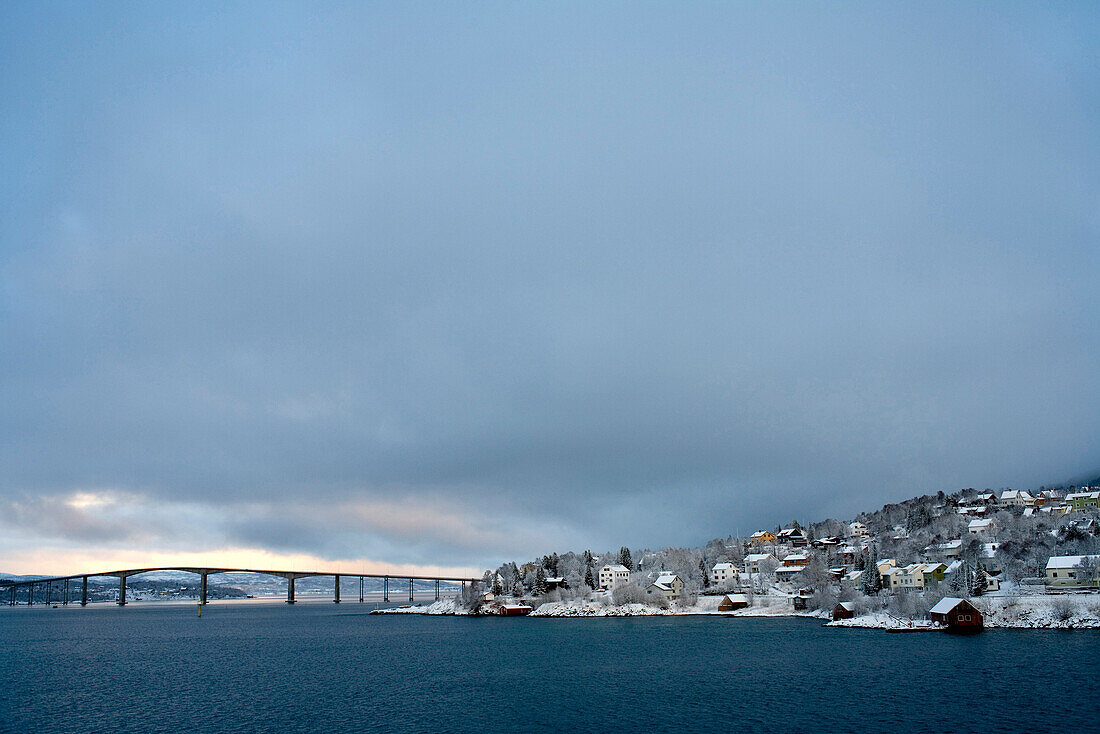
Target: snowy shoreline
column 1005, row 612
column 1037, row 612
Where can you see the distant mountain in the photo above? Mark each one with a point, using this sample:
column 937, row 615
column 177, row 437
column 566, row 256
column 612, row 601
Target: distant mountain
column 18, row 577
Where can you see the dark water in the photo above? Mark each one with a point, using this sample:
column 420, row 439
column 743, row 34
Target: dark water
column 323, row 667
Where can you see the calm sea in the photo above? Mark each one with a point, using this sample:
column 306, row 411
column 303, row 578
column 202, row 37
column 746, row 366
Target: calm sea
column 325, row 667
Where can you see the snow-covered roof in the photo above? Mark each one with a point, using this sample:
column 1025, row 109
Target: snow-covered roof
column 735, row 598
column 1016, row 494
column 665, row 579
column 755, row 557
column 982, row 523
column 799, row 556
column 950, row 545
column 1068, row 561
column 1083, row 496
column 617, row 568
column 723, row 567
column 848, row 605
column 945, row 605
column 555, row 579
column 953, row 566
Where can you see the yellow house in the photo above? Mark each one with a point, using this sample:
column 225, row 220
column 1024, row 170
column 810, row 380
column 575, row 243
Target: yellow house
column 762, row 537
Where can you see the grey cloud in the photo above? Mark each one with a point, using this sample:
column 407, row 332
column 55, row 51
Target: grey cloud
column 644, row 285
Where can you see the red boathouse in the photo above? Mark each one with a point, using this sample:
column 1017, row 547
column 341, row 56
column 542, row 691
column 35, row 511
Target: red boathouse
column 957, row 615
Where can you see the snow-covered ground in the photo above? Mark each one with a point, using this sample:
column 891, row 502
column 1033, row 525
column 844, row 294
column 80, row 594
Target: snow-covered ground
column 1042, row 612
column 443, row 606
column 1008, row 612
column 763, row 606
column 882, row 621
column 1015, row 612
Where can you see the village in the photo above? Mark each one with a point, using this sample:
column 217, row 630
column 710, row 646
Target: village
column 959, row 562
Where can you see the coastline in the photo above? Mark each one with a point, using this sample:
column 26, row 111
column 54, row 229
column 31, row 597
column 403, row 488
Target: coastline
column 1037, row 612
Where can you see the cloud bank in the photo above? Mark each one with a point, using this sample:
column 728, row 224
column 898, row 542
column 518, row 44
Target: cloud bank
column 448, row 287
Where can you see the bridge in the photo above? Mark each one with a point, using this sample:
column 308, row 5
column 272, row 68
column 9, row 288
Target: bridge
column 203, row 573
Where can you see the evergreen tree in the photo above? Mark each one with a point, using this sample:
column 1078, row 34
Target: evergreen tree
column 958, row 580
column 540, row 581
column 872, row 579
column 588, row 581
column 498, row 587
column 554, row 561
column 980, row 583
column 517, row 587
column 704, row 574
column 587, row 558
column 625, row 559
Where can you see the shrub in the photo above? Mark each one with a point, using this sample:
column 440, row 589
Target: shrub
column 1063, row 608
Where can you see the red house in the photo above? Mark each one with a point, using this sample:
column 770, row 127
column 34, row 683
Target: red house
column 844, row 610
column 957, row 615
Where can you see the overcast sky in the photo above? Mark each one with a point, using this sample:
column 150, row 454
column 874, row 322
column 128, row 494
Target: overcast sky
column 438, row 286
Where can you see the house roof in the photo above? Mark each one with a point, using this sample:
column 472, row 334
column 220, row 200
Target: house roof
column 982, row 523
column 735, row 598
column 617, row 568
column 754, row 557
column 945, row 605
column 665, row 578
column 723, row 567
column 1068, row 561
column 847, row 605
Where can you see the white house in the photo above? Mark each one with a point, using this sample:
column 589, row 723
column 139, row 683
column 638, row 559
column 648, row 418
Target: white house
column 980, row 526
column 669, row 584
column 950, row 548
column 1016, row 498
column 723, row 572
column 753, row 561
column 612, row 576
column 1072, row 570
column 857, row 530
